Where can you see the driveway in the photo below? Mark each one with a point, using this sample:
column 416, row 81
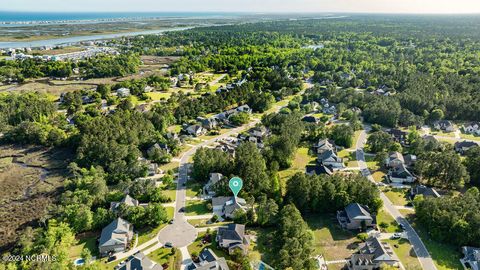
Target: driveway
column 417, row 244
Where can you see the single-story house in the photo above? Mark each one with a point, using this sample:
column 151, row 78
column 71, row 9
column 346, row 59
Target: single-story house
column 444, row 125
column 400, row 174
column 208, row 189
column 233, row 238
column 127, row 200
column 356, row 217
column 209, row 261
column 471, row 259
column 372, row 255
column 226, row 206
column 329, row 158
column 463, row 146
column 424, row 191
column 115, row 237
column 139, row 261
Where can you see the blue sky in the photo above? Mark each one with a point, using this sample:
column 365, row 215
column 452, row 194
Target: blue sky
column 368, row 6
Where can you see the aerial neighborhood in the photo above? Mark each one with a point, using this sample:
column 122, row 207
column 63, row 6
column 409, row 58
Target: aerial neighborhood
column 244, row 143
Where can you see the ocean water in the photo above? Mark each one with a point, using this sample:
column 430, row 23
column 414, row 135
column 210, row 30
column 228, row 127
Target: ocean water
column 12, row 17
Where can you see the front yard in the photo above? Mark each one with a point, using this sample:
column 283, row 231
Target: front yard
column 196, row 208
column 397, row 196
column 405, row 253
column 146, row 234
column 386, row 223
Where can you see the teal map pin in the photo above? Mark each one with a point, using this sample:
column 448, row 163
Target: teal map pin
column 235, row 185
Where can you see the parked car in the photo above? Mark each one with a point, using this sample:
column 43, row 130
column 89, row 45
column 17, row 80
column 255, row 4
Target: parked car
column 396, row 236
column 111, row 258
column 168, row 245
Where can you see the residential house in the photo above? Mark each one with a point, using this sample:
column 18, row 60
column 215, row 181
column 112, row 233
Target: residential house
column 324, row 145
column 410, row 160
column 209, row 123
column 208, row 189
column 471, row 259
column 259, row 132
column 209, row 261
column 127, row 200
column 329, row 158
column 233, row 238
column 115, row 237
column 195, row 130
column 139, row 261
column 472, row 128
column 394, row 159
column 226, row 148
column 329, row 109
column 424, row 191
column 398, row 136
column 372, row 255
column 226, row 206
column 123, row 92
column 356, row 217
column 311, row 119
column 400, row 174
column 318, row 169
column 158, row 146
column 444, row 125
column 463, row 146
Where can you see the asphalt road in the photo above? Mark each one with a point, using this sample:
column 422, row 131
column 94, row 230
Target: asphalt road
column 417, row 244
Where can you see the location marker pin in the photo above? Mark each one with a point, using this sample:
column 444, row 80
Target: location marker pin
column 235, row 185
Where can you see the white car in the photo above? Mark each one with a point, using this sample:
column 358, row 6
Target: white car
column 397, row 235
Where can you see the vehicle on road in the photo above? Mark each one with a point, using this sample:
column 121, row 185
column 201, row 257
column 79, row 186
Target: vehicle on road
column 168, row 245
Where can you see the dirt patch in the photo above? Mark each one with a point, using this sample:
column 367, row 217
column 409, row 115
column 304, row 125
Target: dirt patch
column 158, row 60
column 30, row 181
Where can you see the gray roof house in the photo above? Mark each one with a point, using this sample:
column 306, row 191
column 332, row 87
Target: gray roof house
column 195, row 130
column 444, row 125
column 127, row 200
column 400, row 174
column 329, row 158
column 372, row 255
column 209, row 261
column 139, row 261
column 324, row 145
column 233, row 238
column 318, row 169
column 471, row 259
column 424, row 191
column 463, row 146
column 472, row 128
column 394, row 159
column 208, row 189
column 226, row 206
column 115, row 237
column 208, row 123
column 356, row 217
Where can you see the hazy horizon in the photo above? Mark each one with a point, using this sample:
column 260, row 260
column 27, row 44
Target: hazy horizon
column 249, row 6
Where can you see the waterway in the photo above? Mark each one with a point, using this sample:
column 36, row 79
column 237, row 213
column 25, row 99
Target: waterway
column 77, row 39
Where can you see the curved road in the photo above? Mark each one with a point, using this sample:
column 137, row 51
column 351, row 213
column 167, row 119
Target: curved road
column 418, row 246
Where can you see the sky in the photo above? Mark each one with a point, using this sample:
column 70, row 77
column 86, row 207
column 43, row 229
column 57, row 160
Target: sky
column 271, row 6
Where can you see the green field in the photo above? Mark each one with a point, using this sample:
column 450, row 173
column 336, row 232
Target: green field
column 397, row 196
column 384, row 217
column 405, row 253
column 196, row 208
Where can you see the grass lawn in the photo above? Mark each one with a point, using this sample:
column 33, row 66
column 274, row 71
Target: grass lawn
column 405, row 253
column 175, row 128
column 445, row 257
column 378, row 176
column 163, row 256
column 193, row 188
column 300, row 161
column 196, row 208
column 384, row 217
column 397, row 196
column 89, row 242
column 201, row 223
column 469, row 137
column 170, row 166
column 170, row 191
column 158, row 95
column 146, row 234
column 198, row 246
column 371, row 163
column 331, row 240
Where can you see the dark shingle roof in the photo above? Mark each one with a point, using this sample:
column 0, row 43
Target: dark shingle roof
column 356, row 211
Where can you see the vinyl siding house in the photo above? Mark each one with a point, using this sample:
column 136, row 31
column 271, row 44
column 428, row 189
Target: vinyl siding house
column 127, row 200
column 226, row 206
column 394, row 159
column 444, row 125
column 424, row 191
column 139, row 261
column 233, row 238
column 472, row 128
column 471, row 259
column 329, row 158
column 400, row 174
column 208, row 189
column 115, row 237
column 463, row 146
column 209, row 261
column 356, row 217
